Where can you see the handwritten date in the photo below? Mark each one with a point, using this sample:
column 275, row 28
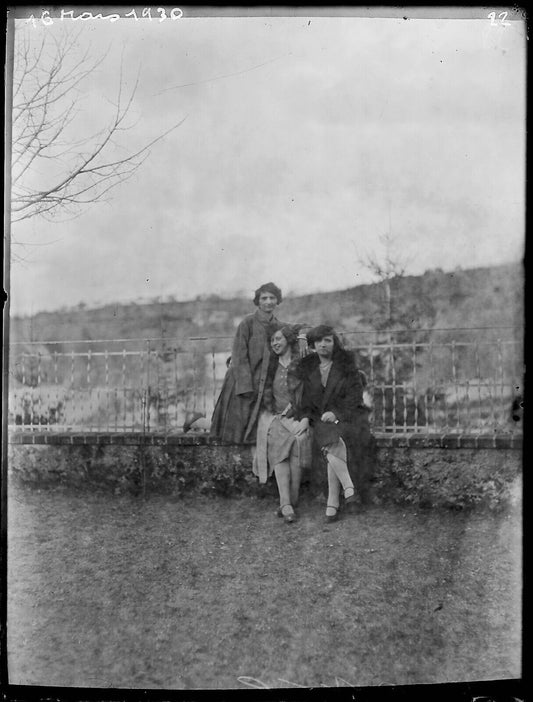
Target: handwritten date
column 159, row 14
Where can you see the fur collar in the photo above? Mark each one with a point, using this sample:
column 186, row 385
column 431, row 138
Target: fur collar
column 342, row 359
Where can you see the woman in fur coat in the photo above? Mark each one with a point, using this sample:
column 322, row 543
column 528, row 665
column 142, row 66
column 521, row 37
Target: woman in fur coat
column 332, row 403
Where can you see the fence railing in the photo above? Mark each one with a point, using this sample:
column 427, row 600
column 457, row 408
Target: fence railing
column 462, row 382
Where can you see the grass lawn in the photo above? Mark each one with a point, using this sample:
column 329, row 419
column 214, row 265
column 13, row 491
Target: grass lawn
column 117, row 591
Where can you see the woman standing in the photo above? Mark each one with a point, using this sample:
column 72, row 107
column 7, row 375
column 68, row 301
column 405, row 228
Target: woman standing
column 237, row 408
column 332, row 402
column 283, row 443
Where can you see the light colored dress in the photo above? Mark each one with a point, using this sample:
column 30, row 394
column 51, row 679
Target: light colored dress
column 277, row 440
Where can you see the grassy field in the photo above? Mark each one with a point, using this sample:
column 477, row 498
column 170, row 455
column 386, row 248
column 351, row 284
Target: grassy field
column 115, row 591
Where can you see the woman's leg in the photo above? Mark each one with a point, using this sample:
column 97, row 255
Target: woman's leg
column 283, row 480
column 339, row 467
column 334, row 487
column 295, row 479
column 337, row 458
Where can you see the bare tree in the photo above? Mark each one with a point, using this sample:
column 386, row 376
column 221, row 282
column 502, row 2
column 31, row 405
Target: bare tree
column 386, row 266
column 57, row 167
column 402, row 313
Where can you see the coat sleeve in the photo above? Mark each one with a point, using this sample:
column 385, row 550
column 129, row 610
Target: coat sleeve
column 268, row 393
column 240, row 360
column 307, row 409
column 295, row 388
column 301, row 402
column 347, row 403
column 268, row 399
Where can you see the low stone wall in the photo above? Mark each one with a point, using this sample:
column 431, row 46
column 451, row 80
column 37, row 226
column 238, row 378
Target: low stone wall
column 442, row 471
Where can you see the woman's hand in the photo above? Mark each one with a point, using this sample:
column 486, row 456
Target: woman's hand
column 328, row 417
column 303, row 426
column 302, row 346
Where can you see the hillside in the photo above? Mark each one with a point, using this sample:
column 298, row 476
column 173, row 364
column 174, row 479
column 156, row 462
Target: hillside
column 479, row 297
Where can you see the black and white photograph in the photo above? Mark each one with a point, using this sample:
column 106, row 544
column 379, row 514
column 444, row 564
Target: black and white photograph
column 263, row 347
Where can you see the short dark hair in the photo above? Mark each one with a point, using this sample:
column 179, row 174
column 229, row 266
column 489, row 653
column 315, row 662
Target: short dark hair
column 317, row 333
column 268, row 287
column 288, row 331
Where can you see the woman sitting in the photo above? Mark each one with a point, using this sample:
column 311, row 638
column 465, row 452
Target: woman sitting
column 283, row 443
column 332, row 402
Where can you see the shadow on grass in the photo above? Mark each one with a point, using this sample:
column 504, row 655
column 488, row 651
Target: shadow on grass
column 212, row 593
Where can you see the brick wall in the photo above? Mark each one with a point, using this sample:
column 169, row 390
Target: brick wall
column 426, row 470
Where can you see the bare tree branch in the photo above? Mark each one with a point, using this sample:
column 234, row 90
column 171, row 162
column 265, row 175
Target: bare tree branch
column 54, row 171
column 390, row 264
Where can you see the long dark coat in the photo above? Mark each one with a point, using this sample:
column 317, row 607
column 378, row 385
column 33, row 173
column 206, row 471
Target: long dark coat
column 237, row 408
column 343, row 395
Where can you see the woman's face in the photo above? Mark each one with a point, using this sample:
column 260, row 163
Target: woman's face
column 324, row 347
column 267, row 302
column 279, row 343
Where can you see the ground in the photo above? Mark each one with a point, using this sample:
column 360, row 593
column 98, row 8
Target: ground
column 159, row 592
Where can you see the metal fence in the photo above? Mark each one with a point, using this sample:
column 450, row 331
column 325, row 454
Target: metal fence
column 454, row 381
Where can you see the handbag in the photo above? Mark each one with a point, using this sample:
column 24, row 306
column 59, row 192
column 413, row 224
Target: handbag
column 326, row 433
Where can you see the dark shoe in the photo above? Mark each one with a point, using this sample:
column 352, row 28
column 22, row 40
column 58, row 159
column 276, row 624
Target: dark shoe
column 351, row 498
column 350, row 502
column 287, row 518
column 332, row 517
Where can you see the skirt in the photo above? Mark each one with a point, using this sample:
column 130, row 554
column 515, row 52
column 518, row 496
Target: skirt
column 277, row 442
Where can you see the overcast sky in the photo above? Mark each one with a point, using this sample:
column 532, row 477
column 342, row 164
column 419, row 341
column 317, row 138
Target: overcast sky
column 305, row 139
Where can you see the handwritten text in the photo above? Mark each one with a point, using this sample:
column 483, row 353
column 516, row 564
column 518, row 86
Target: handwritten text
column 158, row 14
